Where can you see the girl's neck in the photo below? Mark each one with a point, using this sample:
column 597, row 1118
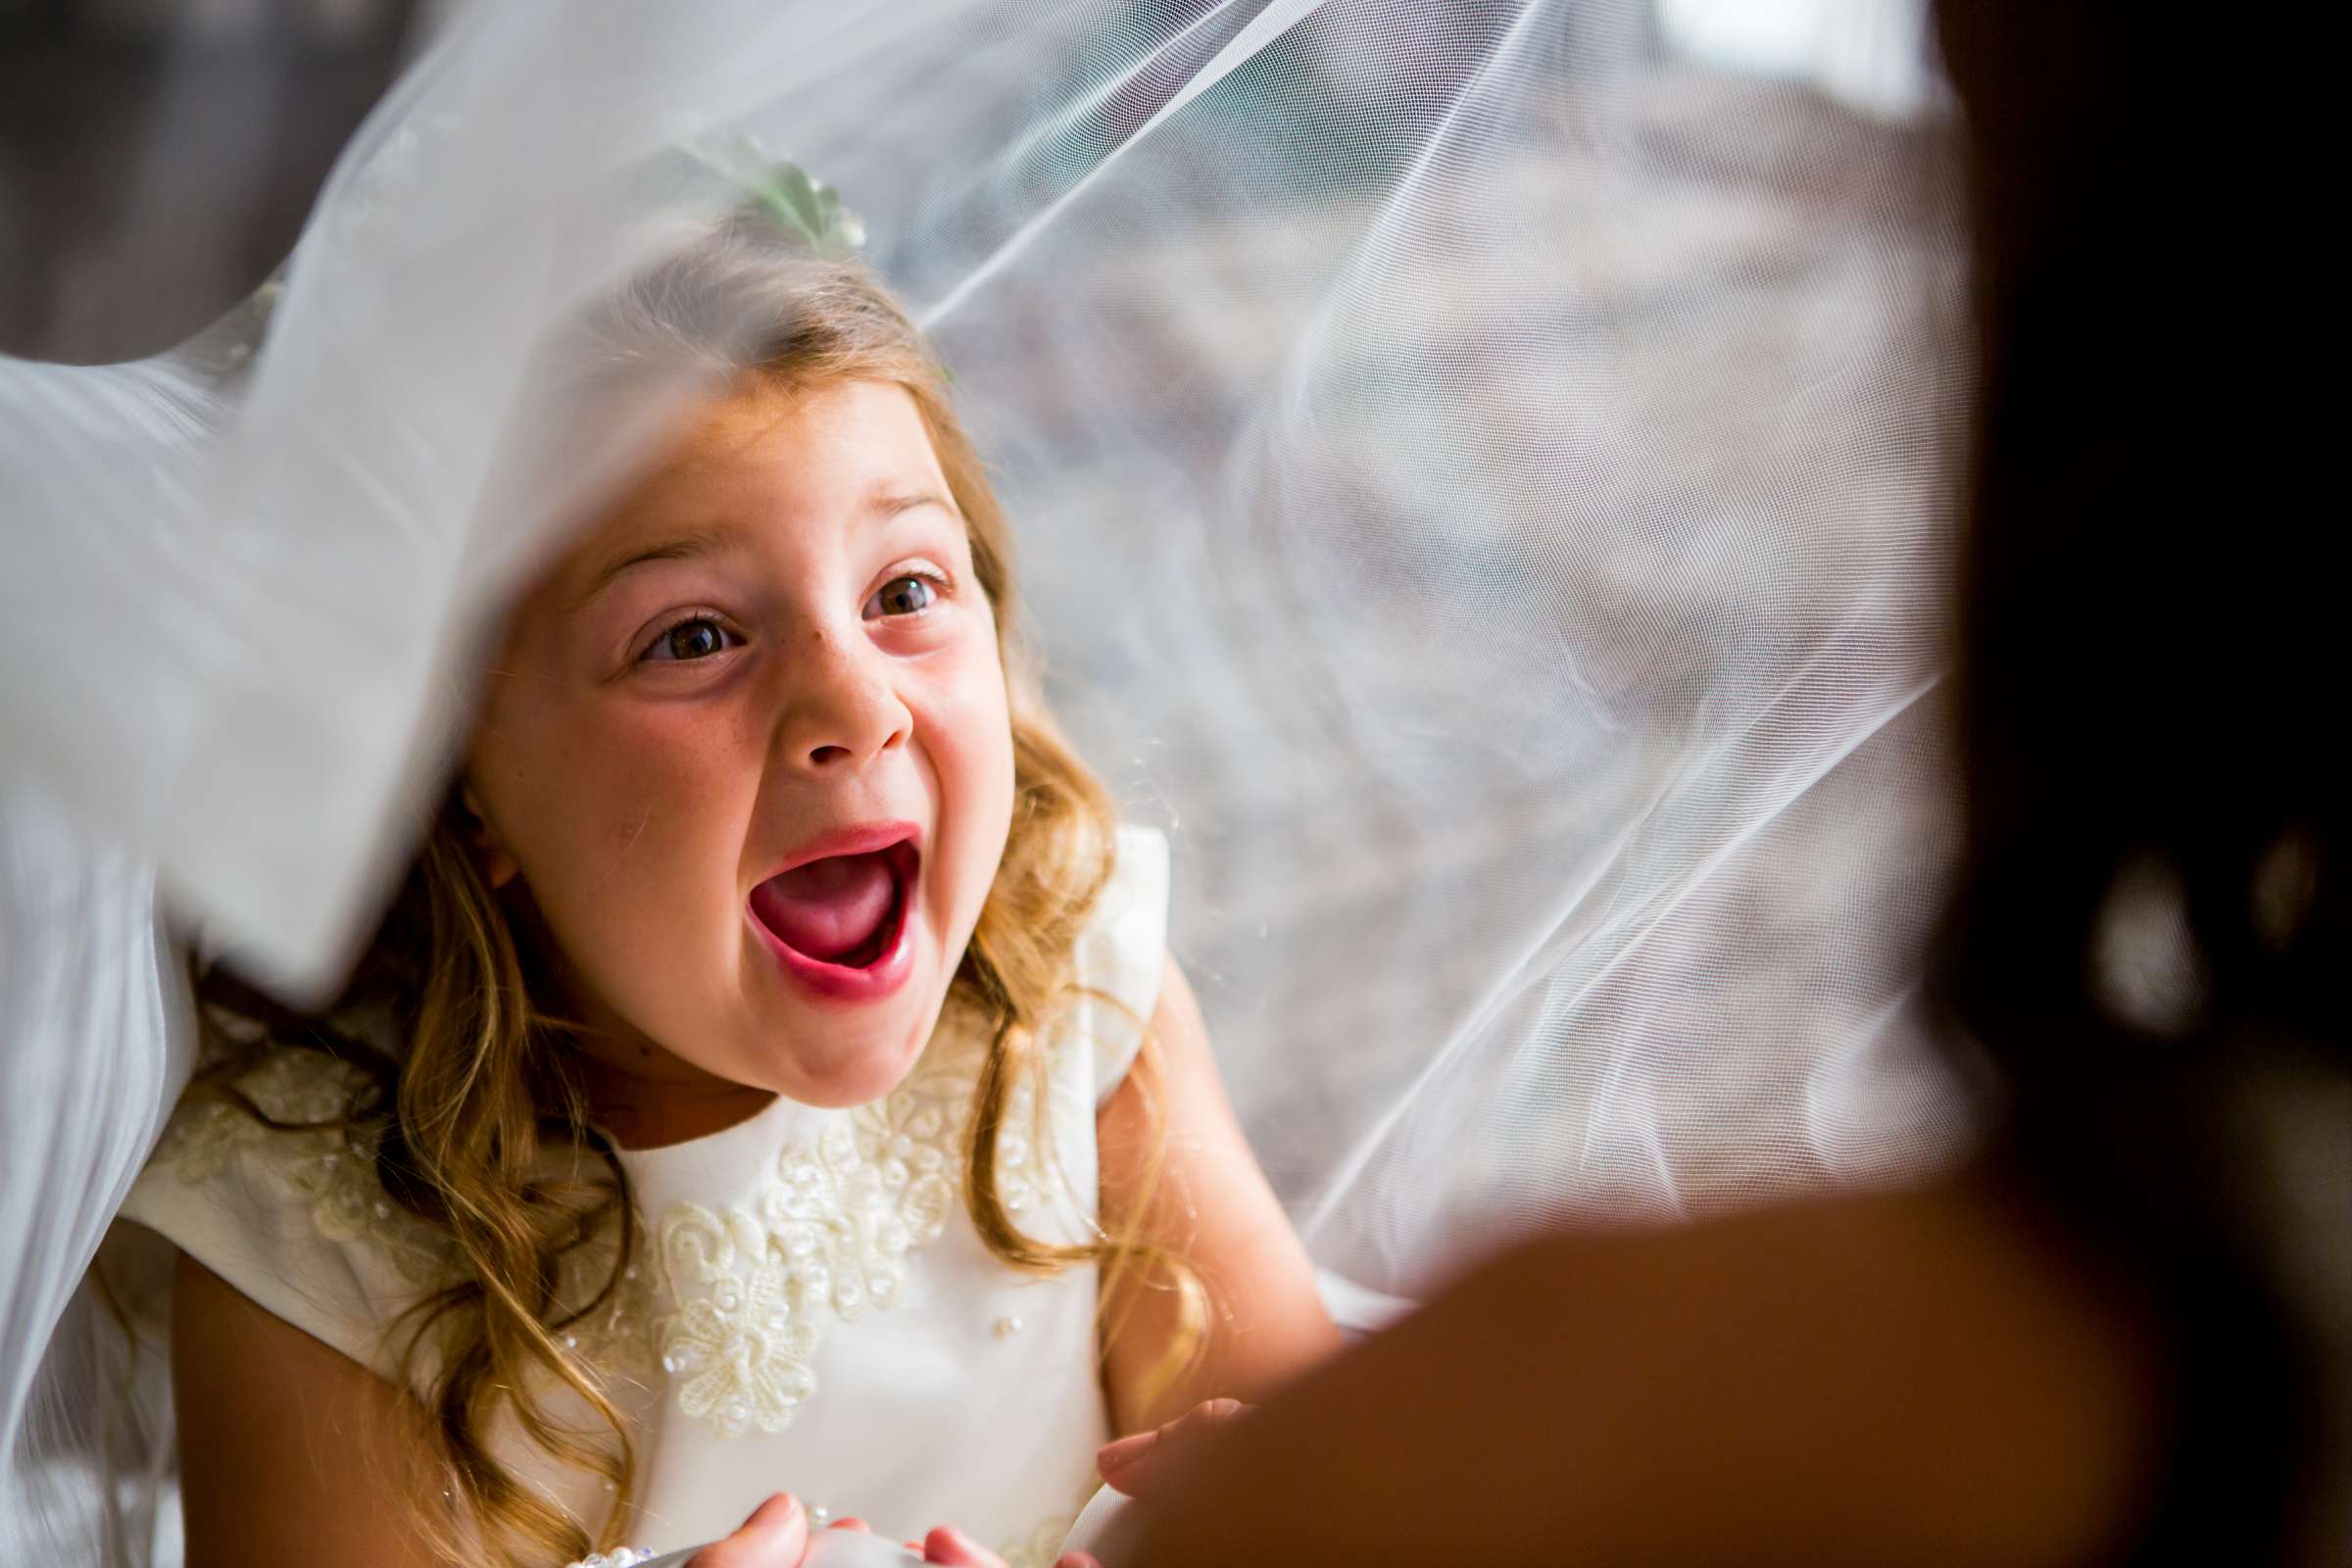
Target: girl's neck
column 645, row 1097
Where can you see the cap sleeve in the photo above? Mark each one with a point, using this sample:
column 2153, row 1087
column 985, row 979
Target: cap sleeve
column 296, row 1221
column 1121, row 954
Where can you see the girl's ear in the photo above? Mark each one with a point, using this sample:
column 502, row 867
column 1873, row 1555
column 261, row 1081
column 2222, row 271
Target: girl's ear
column 498, row 867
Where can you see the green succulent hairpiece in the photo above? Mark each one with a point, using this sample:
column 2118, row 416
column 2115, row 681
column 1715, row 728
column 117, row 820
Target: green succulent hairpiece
column 801, row 205
column 810, row 207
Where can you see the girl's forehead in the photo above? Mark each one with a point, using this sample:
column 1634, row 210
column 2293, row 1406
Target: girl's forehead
column 833, row 436
column 765, row 457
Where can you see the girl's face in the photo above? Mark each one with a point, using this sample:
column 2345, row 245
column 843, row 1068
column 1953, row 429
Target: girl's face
column 747, row 750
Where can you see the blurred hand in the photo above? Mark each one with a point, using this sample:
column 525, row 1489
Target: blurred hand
column 951, row 1545
column 775, row 1535
column 1135, row 1465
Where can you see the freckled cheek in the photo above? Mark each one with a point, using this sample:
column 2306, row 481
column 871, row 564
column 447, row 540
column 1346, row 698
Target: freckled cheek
column 649, row 802
column 969, row 745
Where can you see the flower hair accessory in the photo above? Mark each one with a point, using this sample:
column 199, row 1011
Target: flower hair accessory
column 799, row 203
column 810, row 207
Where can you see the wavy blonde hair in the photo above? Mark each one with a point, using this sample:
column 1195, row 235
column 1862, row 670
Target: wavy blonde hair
column 460, row 1123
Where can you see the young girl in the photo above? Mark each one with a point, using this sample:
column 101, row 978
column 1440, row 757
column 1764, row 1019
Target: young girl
column 771, row 1077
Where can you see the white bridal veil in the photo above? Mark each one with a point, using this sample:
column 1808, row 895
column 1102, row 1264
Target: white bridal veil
column 1480, row 469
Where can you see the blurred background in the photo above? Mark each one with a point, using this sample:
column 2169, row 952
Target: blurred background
column 1616, row 911
column 157, row 156
column 1482, row 471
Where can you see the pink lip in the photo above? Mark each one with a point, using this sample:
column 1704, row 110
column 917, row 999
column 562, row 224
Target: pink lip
column 854, row 983
column 859, row 838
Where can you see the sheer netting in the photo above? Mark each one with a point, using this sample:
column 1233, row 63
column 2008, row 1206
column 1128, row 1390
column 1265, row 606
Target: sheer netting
column 1482, row 479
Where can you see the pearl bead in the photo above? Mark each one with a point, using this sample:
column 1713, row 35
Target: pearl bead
column 1007, row 1327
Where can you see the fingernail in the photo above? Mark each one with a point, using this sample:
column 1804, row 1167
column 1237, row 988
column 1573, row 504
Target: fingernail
column 946, row 1544
column 1126, row 1450
column 784, row 1501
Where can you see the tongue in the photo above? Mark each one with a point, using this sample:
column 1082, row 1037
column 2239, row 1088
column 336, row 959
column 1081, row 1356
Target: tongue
column 828, row 908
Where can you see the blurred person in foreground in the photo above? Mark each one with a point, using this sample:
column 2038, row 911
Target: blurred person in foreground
column 2120, row 1335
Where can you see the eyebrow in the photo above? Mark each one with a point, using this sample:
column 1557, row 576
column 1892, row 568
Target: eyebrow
column 885, row 505
column 880, row 506
column 683, row 547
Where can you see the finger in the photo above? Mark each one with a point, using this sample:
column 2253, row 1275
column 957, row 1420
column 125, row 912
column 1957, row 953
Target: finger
column 853, row 1522
column 1208, row 1412
column 949, row 1544
column 1114, row 1458
column 1077, row 1559
column 1206, row 1416
column 775, row 1535
column 1129, row 1464
column 770, row 1515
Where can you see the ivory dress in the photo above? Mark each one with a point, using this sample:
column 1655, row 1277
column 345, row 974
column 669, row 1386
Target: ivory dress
column 812, row 1310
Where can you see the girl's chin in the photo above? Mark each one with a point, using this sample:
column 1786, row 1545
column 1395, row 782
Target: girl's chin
column 854, row 1032
column 836, row 1062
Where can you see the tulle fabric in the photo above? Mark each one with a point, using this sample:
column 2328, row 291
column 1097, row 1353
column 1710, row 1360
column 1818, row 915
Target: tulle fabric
column 1480, row 473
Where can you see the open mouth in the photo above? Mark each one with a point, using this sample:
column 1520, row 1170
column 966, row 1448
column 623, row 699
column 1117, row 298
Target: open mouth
column 838, row 922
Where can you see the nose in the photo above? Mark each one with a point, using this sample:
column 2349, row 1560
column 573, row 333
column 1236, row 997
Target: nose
column 841, row 709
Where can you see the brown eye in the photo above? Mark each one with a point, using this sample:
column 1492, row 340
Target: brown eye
column 902, row 596
column 698, row 638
